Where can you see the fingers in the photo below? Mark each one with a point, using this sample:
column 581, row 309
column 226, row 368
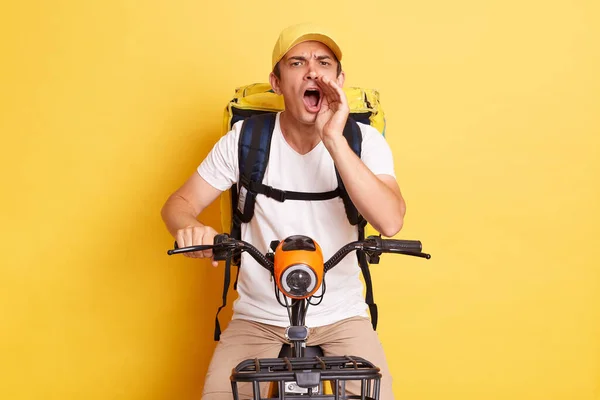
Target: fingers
column 333, row 93
column 194, row 236
column 328, row 92
column 339, row 92
column 208, row 237
column 179, row 238
column 185, row 239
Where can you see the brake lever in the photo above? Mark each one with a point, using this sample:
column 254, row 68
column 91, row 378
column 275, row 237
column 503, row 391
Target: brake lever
column 222, row 247
column 179, row 250
column 410, row 253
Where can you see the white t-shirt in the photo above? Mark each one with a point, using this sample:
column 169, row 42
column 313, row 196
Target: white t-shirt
column 323, row 221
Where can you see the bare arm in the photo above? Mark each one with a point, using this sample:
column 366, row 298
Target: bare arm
column 181, row 210
column 376, row 197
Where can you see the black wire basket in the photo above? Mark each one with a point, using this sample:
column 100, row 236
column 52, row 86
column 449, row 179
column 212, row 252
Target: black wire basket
column 303, row 378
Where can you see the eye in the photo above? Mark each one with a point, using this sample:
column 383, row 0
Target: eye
column 296, row 63
column 325, row 63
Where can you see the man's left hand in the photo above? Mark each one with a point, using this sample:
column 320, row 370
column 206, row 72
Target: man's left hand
column 332, row 117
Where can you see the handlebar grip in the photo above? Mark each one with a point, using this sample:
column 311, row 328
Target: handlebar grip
column 403, row 245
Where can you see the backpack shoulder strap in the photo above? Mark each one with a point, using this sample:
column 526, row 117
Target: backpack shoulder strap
column 353, row 135
column 253, row 155
column 254, row 148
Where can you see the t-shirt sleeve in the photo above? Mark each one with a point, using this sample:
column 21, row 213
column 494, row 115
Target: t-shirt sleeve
column 376, row 152
column 220, row 167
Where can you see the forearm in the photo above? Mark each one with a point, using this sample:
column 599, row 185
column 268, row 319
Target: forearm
column 382, row 206
column 178, row 213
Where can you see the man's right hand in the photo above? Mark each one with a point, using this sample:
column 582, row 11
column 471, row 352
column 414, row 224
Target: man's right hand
column 195, row 236
column 182, row 209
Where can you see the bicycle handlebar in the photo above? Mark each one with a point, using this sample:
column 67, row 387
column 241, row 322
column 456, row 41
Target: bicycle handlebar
column 224, row 246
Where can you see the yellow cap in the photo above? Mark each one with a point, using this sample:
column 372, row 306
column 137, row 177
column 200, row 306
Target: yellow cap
column 297, row 34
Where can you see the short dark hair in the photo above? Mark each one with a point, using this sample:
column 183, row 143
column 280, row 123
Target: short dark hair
column 277, row 72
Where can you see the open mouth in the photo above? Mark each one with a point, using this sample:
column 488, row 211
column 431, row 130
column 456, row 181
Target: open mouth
column 312, row 99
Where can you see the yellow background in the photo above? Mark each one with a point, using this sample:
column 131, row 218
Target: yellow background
column 492, row 110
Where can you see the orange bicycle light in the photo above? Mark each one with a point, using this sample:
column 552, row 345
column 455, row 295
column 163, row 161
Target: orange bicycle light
column 298, row 268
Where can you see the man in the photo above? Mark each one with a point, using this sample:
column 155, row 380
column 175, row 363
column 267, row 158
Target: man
column 306, row 147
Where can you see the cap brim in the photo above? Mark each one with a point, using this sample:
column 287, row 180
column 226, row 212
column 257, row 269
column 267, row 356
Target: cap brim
column 317, row 37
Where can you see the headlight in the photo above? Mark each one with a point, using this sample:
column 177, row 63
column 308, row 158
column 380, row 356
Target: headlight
column 298, row 280
column 298, row 267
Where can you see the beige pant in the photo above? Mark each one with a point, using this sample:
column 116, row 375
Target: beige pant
column 247, row 339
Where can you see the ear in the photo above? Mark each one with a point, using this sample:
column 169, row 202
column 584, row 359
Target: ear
column 341, row 79
column 274, row 83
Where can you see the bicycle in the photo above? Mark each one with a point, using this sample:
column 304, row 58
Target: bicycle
column 297, row 266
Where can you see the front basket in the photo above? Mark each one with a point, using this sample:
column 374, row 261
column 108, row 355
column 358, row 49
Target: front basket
column 303, row 378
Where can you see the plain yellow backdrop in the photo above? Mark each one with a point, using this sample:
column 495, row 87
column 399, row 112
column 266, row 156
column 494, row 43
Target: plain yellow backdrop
column 493, row 117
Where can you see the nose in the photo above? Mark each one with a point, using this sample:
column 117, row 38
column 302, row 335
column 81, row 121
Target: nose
column 312, row 71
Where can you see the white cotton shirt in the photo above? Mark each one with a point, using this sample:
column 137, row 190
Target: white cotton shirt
column 323, row 221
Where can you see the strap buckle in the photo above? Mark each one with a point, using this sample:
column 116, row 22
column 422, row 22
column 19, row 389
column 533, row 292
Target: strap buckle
column 276, row 194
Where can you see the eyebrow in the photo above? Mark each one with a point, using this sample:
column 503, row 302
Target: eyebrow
column 299, row 58
column 302, row 58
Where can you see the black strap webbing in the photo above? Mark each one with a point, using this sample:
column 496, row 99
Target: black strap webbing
column 283, row 195
column 226, row 283
column 364, row 266
column 362, row 259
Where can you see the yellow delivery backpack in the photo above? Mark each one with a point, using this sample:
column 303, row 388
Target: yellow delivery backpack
column 259, row 98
